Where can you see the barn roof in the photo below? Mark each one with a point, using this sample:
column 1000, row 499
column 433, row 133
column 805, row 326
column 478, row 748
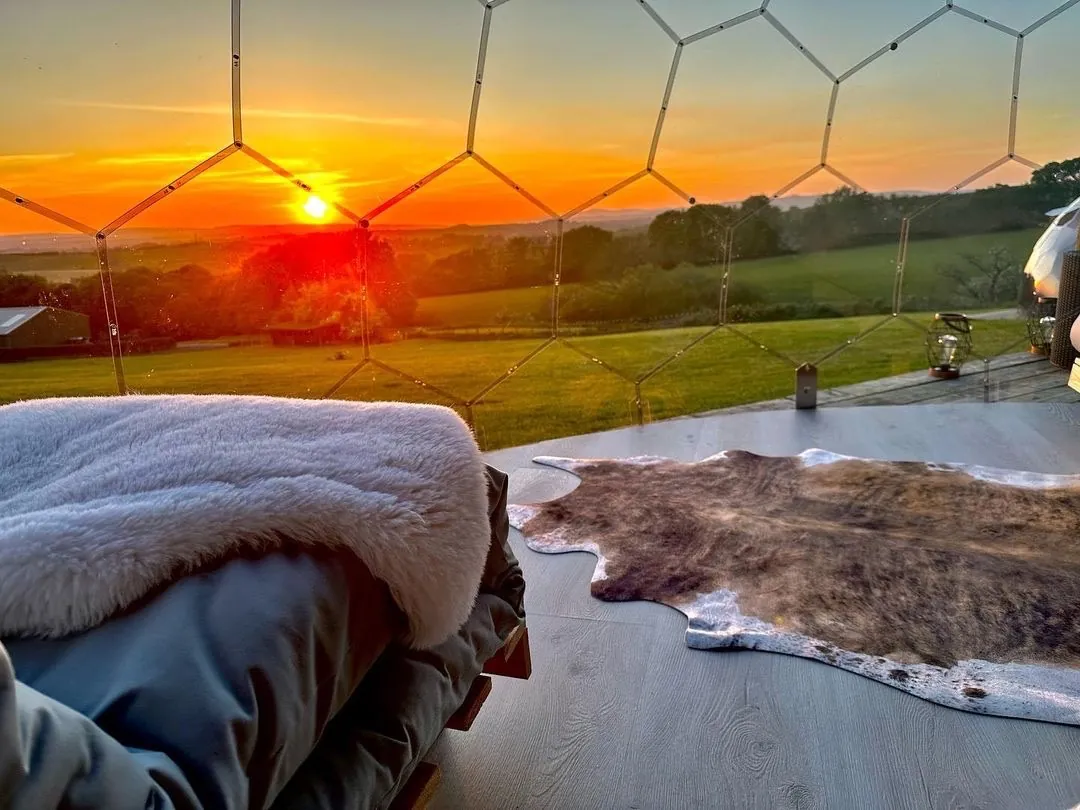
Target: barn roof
column 11, row 318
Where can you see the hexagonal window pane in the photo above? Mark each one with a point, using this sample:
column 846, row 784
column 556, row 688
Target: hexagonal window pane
column 930, row 113
column 474, row 263
column 1048, row 124
column 721, row 371
column 617, row 282
column 636, row 354
column 687, row 19
column 54, row 333
column 1014, row 15
column 370, row 382
column 967, row 252
column 841, row 33
column 556, row 393
column 964, row 254
column 107, row 101
column 733, row 130
column 810, row 271
column 631, row 203
column 612, row 284
column 365, row 98
column 231, row 284
column 571, row 95
column 880, row 367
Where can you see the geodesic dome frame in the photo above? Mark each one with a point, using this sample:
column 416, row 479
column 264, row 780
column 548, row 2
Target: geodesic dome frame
column 759, row 15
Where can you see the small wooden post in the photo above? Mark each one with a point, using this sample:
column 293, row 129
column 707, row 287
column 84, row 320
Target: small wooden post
column 806, row 386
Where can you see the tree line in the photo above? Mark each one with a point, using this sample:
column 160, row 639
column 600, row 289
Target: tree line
column 697, row 235
column 310, row 279
column 647, row 272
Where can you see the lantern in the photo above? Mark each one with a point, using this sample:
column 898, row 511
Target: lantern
column 948, row 344
column 1040, row 324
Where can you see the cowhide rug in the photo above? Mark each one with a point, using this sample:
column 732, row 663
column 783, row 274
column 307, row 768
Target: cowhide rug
column 955, row 583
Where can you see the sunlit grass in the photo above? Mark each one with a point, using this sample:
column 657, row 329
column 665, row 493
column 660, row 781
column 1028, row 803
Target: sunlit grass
column 558, row 393
column 829, row 277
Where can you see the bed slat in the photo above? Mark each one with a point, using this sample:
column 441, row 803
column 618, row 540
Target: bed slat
column 514, row 660
column 420, row 789
column 463, row 718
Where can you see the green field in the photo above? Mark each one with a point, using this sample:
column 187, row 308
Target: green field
column 65, row 266
column 836, row 276
column 559, row 392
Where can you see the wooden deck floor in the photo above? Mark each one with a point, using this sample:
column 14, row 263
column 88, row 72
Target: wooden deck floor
column 1009, row 378
column 620, row 713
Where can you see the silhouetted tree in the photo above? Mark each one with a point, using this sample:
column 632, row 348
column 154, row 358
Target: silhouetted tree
column 995, row 278
column 586, row 253
column 268, row 276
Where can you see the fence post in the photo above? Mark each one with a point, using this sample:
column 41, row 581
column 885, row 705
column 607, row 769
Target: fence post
column 806, row 386
column 638, row 406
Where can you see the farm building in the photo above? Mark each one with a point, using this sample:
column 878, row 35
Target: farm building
column 39, row 327
column 295, row 334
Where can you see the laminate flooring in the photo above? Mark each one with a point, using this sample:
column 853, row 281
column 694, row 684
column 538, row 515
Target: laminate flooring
column 620, row 713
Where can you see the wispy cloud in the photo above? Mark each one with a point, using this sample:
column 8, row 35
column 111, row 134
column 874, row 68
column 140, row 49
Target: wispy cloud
column 252, row 112
column 40, row 158
column 327, row 180
column 153, row 159
column 253, row 177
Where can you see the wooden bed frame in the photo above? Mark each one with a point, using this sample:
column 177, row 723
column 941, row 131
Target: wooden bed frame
column 513, row 660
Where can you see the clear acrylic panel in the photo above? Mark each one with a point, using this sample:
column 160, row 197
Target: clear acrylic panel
column 689, row 17
column 105, row 102
column 1017, row 16
column 634, row 355
column 888, row 348
column 973, row 247
column 841, row 33
column 466, row 299
column 550, row 66
column 1048, row 123
column 362, row 99
column 929, row 113
column 621, row 301
column 721, row 369
column 236, row 283
column 747, row 114
column 371, row 382
column 630, row 204
column 810, row 271
column 557, row 392
column 54, row 327
column 961, row 252
column 555, row 217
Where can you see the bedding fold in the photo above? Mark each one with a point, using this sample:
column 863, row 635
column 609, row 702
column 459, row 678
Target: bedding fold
column 104, row 501
column 272, row 681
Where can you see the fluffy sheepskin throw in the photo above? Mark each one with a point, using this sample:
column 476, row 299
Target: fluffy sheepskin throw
column 104, row 500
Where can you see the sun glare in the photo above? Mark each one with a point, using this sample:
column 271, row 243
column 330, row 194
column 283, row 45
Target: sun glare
column 315, row 207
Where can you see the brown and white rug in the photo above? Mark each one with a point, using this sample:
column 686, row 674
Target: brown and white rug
column 956, row 583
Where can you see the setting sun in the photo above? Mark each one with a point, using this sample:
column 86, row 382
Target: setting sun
column 315, row 207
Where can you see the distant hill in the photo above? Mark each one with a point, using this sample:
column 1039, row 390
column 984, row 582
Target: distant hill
column 610, row 219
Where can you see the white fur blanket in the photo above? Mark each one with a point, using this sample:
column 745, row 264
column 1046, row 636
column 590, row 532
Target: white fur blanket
column 104, row 500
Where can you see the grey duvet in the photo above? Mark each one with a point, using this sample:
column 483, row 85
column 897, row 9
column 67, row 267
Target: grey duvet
column 271, row 681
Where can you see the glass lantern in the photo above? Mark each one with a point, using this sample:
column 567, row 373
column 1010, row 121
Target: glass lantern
column 1040, row 325
column 948, row 344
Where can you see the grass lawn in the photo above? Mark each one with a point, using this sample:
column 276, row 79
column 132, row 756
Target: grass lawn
column 835, row 276
column 558, row 392
column 524, row 305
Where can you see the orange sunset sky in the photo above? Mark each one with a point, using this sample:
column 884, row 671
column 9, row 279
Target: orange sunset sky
column 103, row 103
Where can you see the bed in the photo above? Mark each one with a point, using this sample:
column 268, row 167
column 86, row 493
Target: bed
column 277, row 679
